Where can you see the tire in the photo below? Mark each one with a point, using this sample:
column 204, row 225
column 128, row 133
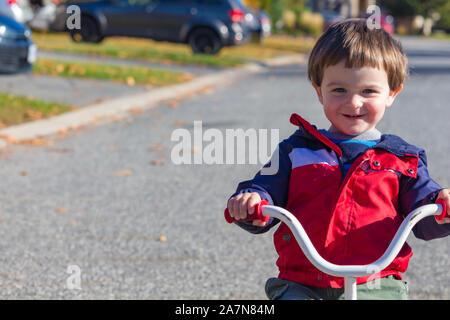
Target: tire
column 89, row 31
column 204, row 40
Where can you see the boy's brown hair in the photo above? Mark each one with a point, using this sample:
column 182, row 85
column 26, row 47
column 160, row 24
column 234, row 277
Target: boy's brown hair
column 352, row 40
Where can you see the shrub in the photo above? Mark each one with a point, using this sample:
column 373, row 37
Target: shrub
column 289, row 20
column 311, row 23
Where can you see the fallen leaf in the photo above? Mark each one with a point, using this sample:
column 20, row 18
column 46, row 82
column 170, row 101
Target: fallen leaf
column 98, row 100
column 178, row 123
column 173, row 104
column 162, row 238
column 35, row 142
column 23, row 173
column 9, row 139
column 60, row 150
column 136, row 110
column 157, row 162
column 130, row 81
column 207, row 89
column 59, row 68
column 123, row 173
column 61, row 209
column 156, row 147
column 75, row 127
column 33, row 114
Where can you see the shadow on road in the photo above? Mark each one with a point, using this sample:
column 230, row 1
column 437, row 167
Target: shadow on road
column 293, row 70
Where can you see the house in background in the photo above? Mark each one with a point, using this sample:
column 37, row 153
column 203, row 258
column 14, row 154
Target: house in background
column 344, row 8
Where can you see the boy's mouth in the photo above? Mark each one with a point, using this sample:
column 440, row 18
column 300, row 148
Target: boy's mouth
column 352, row 116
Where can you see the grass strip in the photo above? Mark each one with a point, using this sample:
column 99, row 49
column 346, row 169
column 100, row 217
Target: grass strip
column 17, row 109
column 131, row 48
column 154, row 51
column 130, row 75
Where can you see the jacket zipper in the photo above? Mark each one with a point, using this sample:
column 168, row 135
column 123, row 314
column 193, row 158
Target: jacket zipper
column 347, row 180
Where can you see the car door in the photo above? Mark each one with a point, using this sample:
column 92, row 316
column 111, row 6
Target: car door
column 168, row 17
column 129, row 17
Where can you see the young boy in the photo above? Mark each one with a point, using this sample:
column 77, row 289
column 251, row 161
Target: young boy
column 350, row 186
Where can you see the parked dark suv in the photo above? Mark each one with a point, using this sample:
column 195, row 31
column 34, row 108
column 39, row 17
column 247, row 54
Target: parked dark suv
column 17, row 51
column 206, row 25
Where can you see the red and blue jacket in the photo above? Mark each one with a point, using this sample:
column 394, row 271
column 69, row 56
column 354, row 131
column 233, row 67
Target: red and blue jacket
column 350, row 218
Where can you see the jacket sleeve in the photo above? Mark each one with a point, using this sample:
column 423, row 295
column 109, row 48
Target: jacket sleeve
column 419, row 191
column 272, row 184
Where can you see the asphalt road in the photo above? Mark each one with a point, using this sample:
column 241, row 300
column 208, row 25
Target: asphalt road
column 107, row 204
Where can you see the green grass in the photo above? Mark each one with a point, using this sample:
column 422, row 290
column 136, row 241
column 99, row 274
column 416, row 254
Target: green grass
column 130, row 48
column 441, row 36
column 17, row 109
column 122, row 74
column 145, row 49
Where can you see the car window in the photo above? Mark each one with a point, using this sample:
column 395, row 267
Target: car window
column 136, row 2
column 174, row 1
column 209, row 2
column 239, row 4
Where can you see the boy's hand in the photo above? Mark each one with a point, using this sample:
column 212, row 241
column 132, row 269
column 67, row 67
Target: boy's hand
column 445, row 196
column 242, row 204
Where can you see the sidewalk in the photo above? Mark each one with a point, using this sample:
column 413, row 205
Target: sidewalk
column 125, row 101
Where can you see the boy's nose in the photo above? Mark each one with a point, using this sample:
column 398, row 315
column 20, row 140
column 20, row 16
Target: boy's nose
column 355, row 101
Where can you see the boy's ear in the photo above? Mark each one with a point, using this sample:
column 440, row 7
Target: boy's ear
column 318, row 91
column 392, row 95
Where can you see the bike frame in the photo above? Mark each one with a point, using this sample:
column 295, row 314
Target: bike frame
column 350, row 272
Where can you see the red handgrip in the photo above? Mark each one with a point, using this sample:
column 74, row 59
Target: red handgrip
column 444, row 210
column 257, row 215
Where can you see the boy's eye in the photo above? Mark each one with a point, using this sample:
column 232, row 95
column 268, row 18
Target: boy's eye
column 340, row 90
column 367, row 91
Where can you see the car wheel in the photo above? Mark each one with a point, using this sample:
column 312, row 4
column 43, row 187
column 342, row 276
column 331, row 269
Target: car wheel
column 89, row 31
column 204, row 41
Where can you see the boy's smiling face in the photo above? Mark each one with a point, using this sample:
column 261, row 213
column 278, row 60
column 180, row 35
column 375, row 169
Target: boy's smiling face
column 354, row 99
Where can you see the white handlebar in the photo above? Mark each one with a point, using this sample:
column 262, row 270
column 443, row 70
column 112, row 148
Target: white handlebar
column 351, row 270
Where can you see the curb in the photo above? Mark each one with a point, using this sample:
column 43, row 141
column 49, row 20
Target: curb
column 114, row 109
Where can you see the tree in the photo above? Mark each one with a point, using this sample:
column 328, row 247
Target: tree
column 276, row 10
column 444, row 12
column 403, row 8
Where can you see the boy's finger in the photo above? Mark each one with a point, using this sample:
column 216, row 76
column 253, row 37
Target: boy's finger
column 443, row 221
column 243, row 206
column 252, row 202
column 259, row 223
column 230, row 207
column 234, row 212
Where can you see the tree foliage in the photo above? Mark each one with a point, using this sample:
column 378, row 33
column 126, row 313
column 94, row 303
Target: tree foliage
column 413, row 7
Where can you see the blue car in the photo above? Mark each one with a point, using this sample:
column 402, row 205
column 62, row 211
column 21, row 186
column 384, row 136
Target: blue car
column 17, row 51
